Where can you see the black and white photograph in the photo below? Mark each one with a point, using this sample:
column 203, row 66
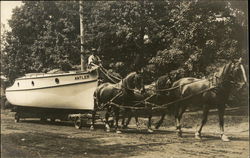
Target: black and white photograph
column 124, row 78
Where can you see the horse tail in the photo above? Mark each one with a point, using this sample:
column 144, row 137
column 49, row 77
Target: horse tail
column 95, row 96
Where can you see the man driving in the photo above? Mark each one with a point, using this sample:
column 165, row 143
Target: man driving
column 93, row 59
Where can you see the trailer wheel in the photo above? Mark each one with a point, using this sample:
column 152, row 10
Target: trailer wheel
column 78, row 123
column 17, row 118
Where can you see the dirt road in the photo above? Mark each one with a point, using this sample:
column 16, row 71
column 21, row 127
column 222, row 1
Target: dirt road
column 31, row 138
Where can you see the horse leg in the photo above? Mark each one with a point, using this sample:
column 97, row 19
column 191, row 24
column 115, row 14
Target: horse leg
column 149, row 125
column 203, row 122
column 137, row 122
column 128, row 121
column 94, row 113
column 107, row 120
column 158, row 124
column 117, row 113
column 93, row 120
column 221, row 110
column 125, row 123
column 178, row 126
column 178, row 117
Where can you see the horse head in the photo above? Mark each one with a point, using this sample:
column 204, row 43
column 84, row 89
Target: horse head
column 238, row 73
column 134, row 81
column 163, row 82
column 233, row 73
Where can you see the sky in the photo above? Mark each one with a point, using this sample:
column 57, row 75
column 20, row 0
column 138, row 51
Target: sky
column 6, row 11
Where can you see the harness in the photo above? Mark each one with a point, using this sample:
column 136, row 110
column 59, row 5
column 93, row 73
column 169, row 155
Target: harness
column 152, row 106
column 215, row 84
column 123, row 89
column 111, row 77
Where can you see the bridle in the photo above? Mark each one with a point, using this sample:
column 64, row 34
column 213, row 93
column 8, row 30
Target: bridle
column 232, row 76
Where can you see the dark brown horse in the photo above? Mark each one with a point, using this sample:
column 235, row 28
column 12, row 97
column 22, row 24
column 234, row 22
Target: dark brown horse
column 144, row 110
column 121, row 93
column 209, row 93
column 155, row 94
column 163, row 96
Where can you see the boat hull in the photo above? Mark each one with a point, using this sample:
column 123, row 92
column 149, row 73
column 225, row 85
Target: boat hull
column 72, row 92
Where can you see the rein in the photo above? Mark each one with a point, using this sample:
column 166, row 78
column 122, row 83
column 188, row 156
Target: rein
column 215, row 82
column 172, row 88
column 107, row 74
column 106, row 71
column 156, row 106
column 182, row 99
column 128, row 88
column 111, row 101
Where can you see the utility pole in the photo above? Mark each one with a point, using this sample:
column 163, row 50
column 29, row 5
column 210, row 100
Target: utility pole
column 140, row 56
column 83, row 63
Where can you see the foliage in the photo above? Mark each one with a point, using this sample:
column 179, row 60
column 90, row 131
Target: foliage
column 185, row 38
column 44, row 36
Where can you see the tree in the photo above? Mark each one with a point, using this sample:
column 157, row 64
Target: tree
column 205, row 32
column 182, row 38
column 119, row 29
column 44, row 36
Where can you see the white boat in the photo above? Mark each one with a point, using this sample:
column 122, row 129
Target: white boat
column 54, row 95
column 69, row 91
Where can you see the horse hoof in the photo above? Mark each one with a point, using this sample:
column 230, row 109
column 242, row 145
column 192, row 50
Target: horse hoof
column 157, row 127
column 224, row 138
column 150, row 131
column 107, row 130
column 91, row 128
column 118, row 132
column 179, row 134
column 197, row 136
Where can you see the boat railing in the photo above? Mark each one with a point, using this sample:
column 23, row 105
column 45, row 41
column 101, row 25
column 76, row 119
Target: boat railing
column 33, row 75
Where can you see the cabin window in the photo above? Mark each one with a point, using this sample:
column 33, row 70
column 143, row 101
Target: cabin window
column 32, row 83
column 18, row 84
column 57, row 81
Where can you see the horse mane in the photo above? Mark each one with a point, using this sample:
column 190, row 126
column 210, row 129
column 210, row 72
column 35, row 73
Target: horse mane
column 223, row 72
column 128, row 80
column 161, row 82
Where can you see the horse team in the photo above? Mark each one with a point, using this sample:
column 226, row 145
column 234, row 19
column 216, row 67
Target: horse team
column 170, row 97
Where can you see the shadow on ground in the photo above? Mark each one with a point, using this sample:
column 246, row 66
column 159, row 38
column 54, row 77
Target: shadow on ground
column 53, row 145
